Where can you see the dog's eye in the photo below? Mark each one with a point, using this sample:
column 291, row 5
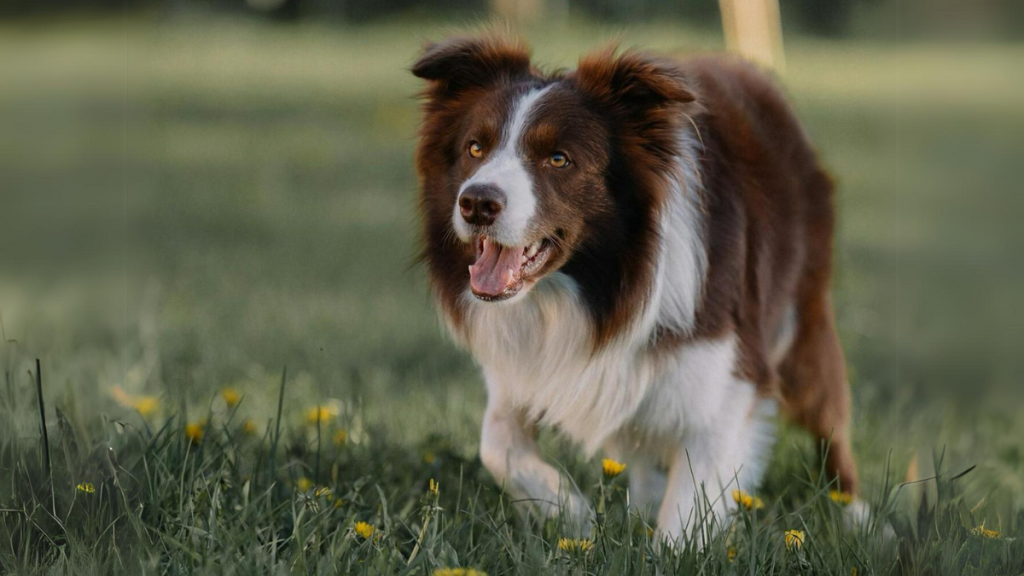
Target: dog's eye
column 558, row 160
column 475, row 149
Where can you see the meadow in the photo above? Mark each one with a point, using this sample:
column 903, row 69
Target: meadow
column 242, row 371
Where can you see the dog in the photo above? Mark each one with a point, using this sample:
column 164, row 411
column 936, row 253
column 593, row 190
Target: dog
column 638, row 253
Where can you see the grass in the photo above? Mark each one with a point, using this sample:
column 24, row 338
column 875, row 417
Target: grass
column 263, row 210
column 221, row 495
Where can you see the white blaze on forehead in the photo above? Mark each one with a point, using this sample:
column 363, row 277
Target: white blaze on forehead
column 505, row 169
column 520, row 116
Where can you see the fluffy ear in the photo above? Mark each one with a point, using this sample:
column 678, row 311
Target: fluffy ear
column 633, row 80
column 461, row 63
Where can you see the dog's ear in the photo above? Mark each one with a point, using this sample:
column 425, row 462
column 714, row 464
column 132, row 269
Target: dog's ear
column 460, row 63
column 634, row 81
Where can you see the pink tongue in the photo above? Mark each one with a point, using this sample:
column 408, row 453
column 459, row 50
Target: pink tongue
column 495, row 270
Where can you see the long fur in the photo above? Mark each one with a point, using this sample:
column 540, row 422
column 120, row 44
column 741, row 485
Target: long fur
column 683, row 300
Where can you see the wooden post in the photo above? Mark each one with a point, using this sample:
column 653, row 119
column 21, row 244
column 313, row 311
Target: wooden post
column 753, row 29
column 518, row 11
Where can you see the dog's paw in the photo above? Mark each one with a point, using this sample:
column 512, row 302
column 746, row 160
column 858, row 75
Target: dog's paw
column 578, row 516
column 573, row 512
column 858, row 515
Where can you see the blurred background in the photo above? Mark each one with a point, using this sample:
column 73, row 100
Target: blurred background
column 194, row 194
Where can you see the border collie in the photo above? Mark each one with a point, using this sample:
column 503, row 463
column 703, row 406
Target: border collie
column 638, row 253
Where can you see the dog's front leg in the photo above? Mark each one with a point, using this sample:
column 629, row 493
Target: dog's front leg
column 646, row 480
column 705, row 469
column 508, row 448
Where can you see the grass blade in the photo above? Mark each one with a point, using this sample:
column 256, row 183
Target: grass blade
column 277, row 423
column 46, row 436
column 42, row 417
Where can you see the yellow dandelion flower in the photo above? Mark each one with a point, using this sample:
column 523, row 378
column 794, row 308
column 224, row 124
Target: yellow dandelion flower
column 575, row 545
column 145, row 405
column 231, row 396
column 340, row 438
column 611, row 468
column 985, row 532
column 194, row 432
column 323, row 492
column 841, row 498
column 748, row 501
column 429, row 458
column 434, row 487
column 303, row 484
column 322, row 414
column 731, row 553
column 86, row 487
column 364, row 530
column 249, row 427
column 457, row 572
column 794, row 539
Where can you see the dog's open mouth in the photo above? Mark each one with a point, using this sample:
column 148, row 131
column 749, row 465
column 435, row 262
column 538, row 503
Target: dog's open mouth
column 500, row 271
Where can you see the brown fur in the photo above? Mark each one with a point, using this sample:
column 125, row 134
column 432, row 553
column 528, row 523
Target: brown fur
column 770, row 228
column 768, row 204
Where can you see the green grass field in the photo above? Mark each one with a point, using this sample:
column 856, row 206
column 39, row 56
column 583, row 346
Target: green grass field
column 253, row 210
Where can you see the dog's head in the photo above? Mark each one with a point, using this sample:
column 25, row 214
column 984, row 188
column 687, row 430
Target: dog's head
column 524, row 174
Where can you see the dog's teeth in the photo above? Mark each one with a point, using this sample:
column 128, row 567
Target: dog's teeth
column 533, row 249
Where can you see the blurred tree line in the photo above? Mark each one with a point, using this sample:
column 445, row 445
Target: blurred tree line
column 989, row 19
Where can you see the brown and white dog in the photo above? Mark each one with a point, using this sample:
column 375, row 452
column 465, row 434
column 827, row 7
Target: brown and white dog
column 637, row 252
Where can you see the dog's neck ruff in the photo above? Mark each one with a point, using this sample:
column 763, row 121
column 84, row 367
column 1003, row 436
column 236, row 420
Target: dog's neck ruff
column 537, row 352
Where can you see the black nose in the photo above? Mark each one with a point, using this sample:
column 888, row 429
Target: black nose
column 480, row 204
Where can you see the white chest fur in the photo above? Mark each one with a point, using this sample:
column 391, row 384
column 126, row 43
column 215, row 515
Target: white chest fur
column 536, row 355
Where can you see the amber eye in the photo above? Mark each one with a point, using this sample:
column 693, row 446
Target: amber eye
column 558, row 160
column 476, row 150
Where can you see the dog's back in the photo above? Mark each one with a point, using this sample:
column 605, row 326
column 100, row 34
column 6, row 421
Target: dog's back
column 772, row 216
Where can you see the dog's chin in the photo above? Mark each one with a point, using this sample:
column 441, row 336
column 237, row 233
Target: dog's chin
column 509, row 296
